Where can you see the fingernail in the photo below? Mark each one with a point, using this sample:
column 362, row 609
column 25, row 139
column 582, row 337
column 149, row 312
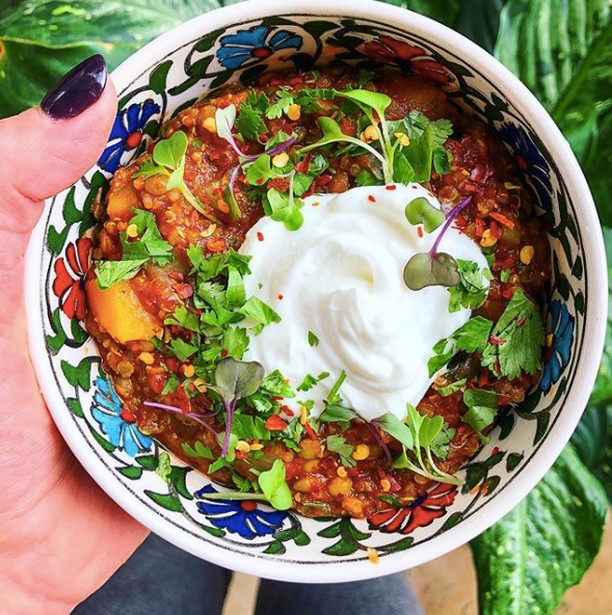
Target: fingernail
column 77, row 90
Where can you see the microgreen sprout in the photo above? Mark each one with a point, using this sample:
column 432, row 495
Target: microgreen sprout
column 169, row 160
column 435, row 268
column 235, row 380
column 225, row 119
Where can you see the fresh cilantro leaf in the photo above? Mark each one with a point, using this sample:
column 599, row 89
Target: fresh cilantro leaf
column 183, row 318
column 235, row 341
column 260, row 171
column 391, row 499
column 112, row 272
column 442, row 159
column 250, row 123
column 181, row 349
column 482, row 410
column 276, row 384
column 260, row 313
column 198, row 450
column 440, row 445
column 335, row 413
column 281, row 106
column 339, row 445
column 470, row 337
column 313, row 340
column 172, row 384
column 247, row 427
column 504, row 275
column 519, row 338
column 150, row 244
column 310, row 381
column 451, row 388
column 367, row 178
column 472, row 289
column 221, row 462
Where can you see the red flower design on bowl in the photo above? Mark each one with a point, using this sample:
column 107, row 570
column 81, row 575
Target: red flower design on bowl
column 70, row 271
column 419, row 513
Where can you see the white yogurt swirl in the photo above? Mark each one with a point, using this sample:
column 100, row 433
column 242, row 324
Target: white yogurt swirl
column 340, row 277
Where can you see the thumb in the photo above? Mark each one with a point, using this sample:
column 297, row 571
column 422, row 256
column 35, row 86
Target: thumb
column 47, row 148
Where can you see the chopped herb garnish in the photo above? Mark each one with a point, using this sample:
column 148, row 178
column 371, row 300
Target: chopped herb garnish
column 339, row 445
column 481, row 412
column 472, row 289
column 313, row 340
column 260, row 313
column 390, row 499
column 169, row 160
column 516, row 340
column 198, row 450
column 470, row 337
column 333, row 396
column 109, row 273
column 310, row 381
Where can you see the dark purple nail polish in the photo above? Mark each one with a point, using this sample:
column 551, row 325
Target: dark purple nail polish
column 77, row 90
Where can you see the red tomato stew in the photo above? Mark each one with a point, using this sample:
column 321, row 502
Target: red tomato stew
column 167, row 308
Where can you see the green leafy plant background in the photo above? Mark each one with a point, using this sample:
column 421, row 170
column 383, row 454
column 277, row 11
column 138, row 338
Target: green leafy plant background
column 563, row 52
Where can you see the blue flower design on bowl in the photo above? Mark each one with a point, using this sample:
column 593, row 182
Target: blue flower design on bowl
column 254, row 44
column 558, row 348
column 241, row 517
column 529, row 160
column 126, row 133
column 116, row 421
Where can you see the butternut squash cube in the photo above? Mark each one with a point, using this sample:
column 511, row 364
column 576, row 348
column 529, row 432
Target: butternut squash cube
column 121, row 202
column 119, row 311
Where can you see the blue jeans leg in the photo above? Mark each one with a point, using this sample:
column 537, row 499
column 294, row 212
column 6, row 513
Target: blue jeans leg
column 389, row 595
column 160, row 579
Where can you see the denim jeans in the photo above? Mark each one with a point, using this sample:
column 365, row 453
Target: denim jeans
column 160, row 579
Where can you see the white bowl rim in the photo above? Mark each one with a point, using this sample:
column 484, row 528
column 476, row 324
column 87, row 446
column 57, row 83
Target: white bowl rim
column 595, row 315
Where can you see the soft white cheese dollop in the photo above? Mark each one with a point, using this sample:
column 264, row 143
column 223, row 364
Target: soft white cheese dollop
column 340, row 277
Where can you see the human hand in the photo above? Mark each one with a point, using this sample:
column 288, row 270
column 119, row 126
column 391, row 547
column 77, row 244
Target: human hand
column 61, row 537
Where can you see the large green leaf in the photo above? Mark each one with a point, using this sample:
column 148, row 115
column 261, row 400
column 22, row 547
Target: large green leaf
column 40, row 40
column 527, row 561
column 563, row 52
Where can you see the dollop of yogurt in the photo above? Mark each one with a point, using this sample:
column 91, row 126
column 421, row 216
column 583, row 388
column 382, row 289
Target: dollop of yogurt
column 338, row 280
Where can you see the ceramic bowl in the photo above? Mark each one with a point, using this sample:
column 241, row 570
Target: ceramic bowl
column 237, row 43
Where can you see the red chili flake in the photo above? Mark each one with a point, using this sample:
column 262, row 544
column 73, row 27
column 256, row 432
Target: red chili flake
column 263, row 138
column 420, row 232
column 371, row 198
column 503, row 400
column 496, row 341
column 288, row 411
column 521, row 322
column 495, row 450
column 391, row 187
column 497, row 367
column 334, row 115
column 241, row 455
column 502, row 219
column 280, row 297
column 470, row 385
column 310, row 431
column 480, row 226
column 260, row 181
column 315, row 204
column 248, row 505
column 483, row 379
column 275, row 423
column 172, row 364
column 260, row 236
column 495, row 229
column 277, row 398
column 183, row 290
column 324, row 179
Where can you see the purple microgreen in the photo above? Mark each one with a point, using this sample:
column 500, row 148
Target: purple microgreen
column 235, row 380
column 380, row 442
column 421, row 211
column 435, row 268
column 199, row 418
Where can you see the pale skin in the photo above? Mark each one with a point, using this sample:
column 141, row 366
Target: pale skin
column 61, row 537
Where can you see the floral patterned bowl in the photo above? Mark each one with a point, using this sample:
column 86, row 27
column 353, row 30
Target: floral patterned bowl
column 238, row 43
